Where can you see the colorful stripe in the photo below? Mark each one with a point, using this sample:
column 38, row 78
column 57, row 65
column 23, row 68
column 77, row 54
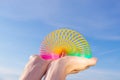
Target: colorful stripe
column 64, row 41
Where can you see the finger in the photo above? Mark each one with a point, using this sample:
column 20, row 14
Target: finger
column 32, row 60
column 92, row 61
column 33, row 56
column 36, row 59
column 74, row 71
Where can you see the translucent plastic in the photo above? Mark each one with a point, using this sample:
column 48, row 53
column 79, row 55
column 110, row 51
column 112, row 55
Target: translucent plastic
column 64, row 42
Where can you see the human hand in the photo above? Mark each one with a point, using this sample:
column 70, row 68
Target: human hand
column 60, row 68
column 72, row 64
column 35, row 68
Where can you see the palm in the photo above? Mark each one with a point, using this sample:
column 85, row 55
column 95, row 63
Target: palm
column 76, row 64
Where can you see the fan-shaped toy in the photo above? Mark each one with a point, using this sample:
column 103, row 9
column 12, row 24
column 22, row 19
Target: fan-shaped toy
column 64, row 42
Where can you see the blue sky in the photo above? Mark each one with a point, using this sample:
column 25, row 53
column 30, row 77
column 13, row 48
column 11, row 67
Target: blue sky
column 24, row 24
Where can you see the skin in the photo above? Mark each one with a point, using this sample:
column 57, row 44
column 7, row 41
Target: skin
column 59, row 69
column 56, row 69
column 35, row 68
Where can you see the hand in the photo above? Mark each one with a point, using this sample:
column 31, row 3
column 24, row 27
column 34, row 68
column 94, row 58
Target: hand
column 60, row 68
column 76, row 64
column 35, row 68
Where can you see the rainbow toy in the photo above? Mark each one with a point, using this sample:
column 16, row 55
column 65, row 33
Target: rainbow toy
column 64, row 42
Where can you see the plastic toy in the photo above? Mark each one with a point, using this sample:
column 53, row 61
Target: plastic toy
column 64, row 42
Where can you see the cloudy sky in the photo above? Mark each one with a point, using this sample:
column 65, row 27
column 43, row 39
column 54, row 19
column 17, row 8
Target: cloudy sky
column 24, row 24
